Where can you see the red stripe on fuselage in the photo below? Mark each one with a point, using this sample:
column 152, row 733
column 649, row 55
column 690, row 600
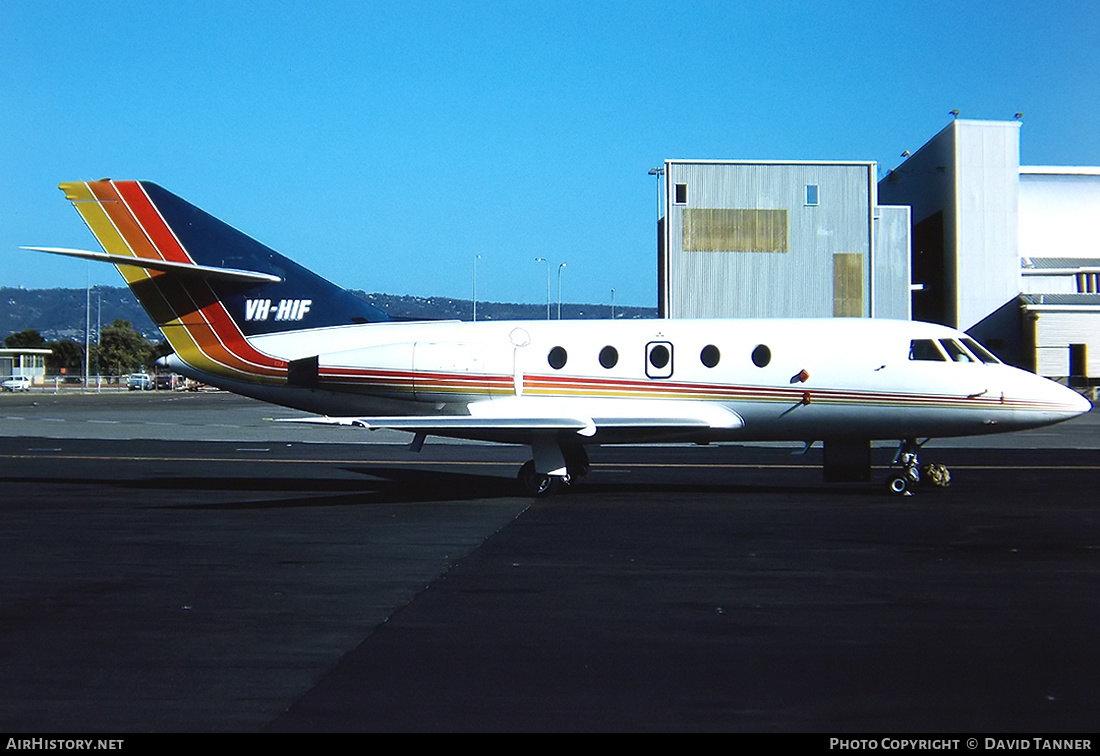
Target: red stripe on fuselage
column 567, row 386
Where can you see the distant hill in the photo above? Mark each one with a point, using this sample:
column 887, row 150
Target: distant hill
column 60, row 313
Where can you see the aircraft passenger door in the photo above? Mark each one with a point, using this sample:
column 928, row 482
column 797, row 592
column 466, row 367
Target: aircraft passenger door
column 658, row 359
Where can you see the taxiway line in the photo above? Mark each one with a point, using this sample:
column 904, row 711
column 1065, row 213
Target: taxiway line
column 502, row 463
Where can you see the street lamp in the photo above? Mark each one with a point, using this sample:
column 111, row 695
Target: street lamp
column 658, row 172
column 612, row 304
column 98, row 330
column 476, row 258
column 559, row 289
column 87, row 319
column 544, row 260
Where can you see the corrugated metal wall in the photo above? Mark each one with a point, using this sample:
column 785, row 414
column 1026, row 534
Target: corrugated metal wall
column 891, row 263
column 788, row 276
column 1057, row 330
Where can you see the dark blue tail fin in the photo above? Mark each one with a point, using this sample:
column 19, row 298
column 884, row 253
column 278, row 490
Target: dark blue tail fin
column 204, row 283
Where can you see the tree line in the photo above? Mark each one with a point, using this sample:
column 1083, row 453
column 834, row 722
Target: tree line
column 120, row 349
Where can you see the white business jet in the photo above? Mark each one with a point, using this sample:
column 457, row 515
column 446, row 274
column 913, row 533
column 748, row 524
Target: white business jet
column 244, row 318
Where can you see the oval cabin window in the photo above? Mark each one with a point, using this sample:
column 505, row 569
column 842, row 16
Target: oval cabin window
column 557, row 358
column 609, row 357
column 658, row 356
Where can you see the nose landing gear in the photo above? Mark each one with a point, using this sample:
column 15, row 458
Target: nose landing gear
column 906, row 474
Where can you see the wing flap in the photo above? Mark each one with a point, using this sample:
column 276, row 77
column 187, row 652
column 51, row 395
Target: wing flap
column 544, row 414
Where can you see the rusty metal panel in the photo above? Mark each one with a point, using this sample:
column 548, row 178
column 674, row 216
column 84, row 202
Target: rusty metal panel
column 847, row 285
column 735, row 230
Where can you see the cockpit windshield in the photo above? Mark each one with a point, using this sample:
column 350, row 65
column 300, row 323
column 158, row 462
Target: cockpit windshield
column 925, row 349
column 981, row 352
column 943, row 350
column 953, row 348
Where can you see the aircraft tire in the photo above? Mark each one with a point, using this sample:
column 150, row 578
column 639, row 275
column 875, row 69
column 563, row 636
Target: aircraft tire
column 535, row 483
column 898, row 485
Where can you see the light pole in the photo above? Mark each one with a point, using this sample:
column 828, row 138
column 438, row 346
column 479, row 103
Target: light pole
column 476, row 258
column 87, row 320
column 98, row 328
column 612, row 304
column 544, row 260
column 559, row 289
column 658, row 172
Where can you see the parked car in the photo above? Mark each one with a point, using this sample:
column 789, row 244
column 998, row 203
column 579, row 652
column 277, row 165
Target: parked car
column 17, row 383
column 139, row 382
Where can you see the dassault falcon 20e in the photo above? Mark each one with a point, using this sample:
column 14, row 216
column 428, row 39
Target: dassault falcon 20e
column 244, row 318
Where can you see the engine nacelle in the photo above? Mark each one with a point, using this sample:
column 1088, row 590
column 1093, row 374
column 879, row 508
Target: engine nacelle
column 423, row 370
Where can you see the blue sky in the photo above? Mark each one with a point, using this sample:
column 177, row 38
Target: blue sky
column 384, row 145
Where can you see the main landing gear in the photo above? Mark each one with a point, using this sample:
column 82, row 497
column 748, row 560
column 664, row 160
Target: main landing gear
column 906, row 474
column 564, row 465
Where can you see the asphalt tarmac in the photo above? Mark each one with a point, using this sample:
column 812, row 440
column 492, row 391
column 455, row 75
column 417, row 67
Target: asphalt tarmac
column 181, row 563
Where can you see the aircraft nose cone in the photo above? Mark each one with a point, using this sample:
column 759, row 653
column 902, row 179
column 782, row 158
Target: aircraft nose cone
column 1079, row 405
column 1069, row 403
column 1050, row 402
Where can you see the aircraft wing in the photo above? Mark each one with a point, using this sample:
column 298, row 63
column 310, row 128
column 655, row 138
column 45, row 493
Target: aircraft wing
column 581, row 416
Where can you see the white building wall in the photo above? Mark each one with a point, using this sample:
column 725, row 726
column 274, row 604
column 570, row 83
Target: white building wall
column 926, row 182
column 1056, row 330
column 891, row 265
column 1049, row 285
column 1059, row 212
column 987, row 196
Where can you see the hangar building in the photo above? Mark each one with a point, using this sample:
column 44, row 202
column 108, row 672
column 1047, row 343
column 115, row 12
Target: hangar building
column 960, row 233
column 1004, row 251
column 780, row 239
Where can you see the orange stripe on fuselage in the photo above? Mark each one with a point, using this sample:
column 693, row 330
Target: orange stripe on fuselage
column 464, row 384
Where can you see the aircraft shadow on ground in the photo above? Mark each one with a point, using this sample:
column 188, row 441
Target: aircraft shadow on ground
column 405, row 485
column 375, row 486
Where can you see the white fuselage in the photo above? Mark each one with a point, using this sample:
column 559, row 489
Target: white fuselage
column 782, row 379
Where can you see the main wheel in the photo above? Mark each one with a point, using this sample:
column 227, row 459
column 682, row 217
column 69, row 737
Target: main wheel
column 535, row 483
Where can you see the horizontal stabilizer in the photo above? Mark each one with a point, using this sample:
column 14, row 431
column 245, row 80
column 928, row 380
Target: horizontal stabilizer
column 165, row 266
